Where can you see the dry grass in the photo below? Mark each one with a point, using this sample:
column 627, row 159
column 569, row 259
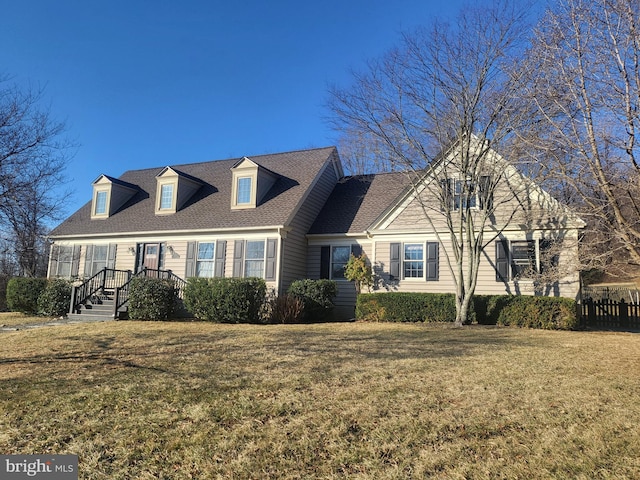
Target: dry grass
column 12, row 319
column 191, row 400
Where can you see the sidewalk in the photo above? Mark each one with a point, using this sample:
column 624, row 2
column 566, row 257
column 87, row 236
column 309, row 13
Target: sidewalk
column 46, row 323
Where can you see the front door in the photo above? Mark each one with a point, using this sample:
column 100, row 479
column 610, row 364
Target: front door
column 151, row 256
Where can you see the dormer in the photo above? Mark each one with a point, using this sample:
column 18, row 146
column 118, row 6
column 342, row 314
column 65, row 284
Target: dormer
column 174, row 189
column 109, row 195
column 250, row 184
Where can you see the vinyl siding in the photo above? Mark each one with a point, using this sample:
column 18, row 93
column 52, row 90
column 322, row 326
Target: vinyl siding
column 294, row 249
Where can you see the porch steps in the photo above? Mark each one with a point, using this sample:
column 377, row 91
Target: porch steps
column 99, row 309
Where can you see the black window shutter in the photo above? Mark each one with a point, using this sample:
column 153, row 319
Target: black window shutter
column 502, row 261
column 88, row 254
column 139, row 257
column 221, row 257
column 433, row 263
column 356, row 249
column 485, row 193
column 238, row 256
column 325, row 261
column 394, row 261
column 111, row 255
column 272, row 252
column 190, row 267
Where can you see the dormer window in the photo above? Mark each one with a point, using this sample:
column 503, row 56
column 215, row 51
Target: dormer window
column 101, row 203
column 251, row 182
column 243, row 191
column 174, row 189
column 166, row 196
column 109, row 195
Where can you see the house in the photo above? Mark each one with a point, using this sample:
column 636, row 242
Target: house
column 281, row 217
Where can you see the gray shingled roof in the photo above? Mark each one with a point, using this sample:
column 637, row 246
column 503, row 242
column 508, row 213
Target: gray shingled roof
column 356, row 202
column 209, row 208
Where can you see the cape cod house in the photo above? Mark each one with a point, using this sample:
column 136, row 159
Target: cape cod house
column 283, row 217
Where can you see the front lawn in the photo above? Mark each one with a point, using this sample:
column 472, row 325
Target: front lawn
column 149, row 400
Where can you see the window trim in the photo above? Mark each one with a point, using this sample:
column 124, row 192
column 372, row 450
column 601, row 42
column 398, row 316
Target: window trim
column 107, row 201
column 250, row 174
column 245, row 259
column 509, row 264
column 404, row 260
column 452, row 193
column 198, row 260
column 70, row 261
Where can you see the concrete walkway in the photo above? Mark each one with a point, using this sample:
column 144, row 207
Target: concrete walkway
column 48, row 323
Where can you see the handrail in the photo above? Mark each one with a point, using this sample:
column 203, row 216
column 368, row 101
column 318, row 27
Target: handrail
column 105, row 279
column 121, row 294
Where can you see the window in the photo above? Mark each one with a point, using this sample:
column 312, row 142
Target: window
column 166, row 196
column 101, row 203
column 459, row 193
column 523, row 258
column 205, row 259
column 339, row 258
column 243, row 194
column 64, row 262
column 96, row 259
column 520, row 259
column 254, row 259
column 413, row 262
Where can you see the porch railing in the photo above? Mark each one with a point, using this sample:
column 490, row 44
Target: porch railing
column 119, row 282
column 121, row 294
column 106, row 279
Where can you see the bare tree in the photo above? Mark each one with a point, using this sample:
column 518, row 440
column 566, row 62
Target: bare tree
column 439, row 107
column 584, row 71
column 33, row 156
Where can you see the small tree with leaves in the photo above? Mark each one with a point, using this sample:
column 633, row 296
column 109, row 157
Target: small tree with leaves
column 358, row 270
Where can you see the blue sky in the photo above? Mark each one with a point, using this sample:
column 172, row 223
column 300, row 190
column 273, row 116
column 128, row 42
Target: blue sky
column 153, row 83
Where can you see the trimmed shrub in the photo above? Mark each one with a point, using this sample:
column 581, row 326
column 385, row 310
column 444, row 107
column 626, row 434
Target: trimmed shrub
column 317, row 296
column 488, row 307
column 55, row 299
column 225, row 300
column 151, row 298
column 406, row 307
column 549, row 313
column 23, row 293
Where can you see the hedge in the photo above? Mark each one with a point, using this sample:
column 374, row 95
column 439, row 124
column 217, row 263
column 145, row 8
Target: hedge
column 406, row 307
column 317, row 296
column 523, row 311
column 23, row 294
column 225, row 300
column 151, row 298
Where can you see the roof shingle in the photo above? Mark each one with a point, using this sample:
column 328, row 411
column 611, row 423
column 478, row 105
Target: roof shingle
column 209, row 208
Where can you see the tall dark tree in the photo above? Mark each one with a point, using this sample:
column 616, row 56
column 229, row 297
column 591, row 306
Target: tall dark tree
column 33, row 157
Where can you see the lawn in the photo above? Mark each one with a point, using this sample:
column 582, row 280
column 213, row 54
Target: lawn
column 145, row 400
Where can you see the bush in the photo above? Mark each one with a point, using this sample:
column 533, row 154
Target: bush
column 406, row 307
column 225, row 300
column 23, row 293
column 549, row 313
column 151, row 298
column 317, row 296
column 286, row 309
column 55, row 299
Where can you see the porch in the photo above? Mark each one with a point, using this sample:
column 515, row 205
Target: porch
column 105, row 295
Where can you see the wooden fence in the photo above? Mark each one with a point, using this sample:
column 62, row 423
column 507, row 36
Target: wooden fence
column 611, row 314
